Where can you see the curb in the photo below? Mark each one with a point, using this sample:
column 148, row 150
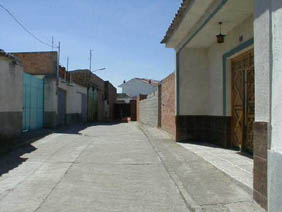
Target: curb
column 189, row 202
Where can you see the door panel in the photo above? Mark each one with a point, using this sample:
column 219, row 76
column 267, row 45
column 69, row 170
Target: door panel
column 33, row 102
column 243, row 105
column 237, row 104
column 62, row 101
column 248, row 145
column 84, row 107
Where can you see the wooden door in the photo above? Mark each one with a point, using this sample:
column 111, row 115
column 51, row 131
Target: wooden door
column 243, row 101
column 250, row 103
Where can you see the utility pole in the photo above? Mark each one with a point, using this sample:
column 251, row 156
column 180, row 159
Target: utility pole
column 90, row 66
column 52, row 43
column 67, row 63
column 67, row 68
column 58, row 62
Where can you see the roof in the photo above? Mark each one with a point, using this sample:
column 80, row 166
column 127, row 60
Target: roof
column 179, row 16
column 122, row 95
column 87, row 78
column 148, row 81
column 10, row 56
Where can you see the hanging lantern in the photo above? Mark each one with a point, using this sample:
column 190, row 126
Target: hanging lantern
column 220, row 36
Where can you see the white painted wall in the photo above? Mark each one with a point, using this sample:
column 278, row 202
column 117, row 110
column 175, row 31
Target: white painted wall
column 135, row 87
column 215, row 54
column 74, row 98
column 201, row 74
column 11, row 86
column 193, row 82
column 276, row 98
column 50, row 96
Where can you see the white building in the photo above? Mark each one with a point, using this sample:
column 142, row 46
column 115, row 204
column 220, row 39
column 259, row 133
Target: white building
column 137, row 86
column 229, row 91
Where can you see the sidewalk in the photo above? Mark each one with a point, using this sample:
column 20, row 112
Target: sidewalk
column 204, row 187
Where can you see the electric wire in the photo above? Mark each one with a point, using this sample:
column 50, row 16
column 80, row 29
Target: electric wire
column 25, row 29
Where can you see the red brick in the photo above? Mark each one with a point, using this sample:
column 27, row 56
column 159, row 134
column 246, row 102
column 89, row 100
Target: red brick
column 168, row 122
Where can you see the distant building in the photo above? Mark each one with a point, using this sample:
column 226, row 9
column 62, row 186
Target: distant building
column 123, row 98
column 101, row 95
column 137, row 86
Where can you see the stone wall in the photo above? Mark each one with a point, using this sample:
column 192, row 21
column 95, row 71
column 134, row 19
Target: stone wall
column 149, row 112
column 168, row 104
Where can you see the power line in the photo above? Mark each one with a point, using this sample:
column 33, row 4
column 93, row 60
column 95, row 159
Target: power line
column 24, row 28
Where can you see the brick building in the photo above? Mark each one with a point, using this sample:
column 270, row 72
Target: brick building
column 168, row 104
column 42, row 65
column 100, row 95
column 54, row 99
column 110, row 99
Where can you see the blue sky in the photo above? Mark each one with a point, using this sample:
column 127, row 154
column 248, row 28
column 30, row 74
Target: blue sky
column 124, row 35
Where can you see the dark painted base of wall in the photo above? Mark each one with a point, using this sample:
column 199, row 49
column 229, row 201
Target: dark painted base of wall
column 74, row 118
column 213, row 129
column 50, row 120
column 260, row 162
column 10, row 128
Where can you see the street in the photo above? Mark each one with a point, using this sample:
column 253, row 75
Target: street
column 95, row 168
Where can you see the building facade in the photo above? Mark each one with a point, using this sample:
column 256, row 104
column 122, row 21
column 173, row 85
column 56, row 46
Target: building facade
column 100, row 95
column 60, row 101
column 227, row 87
column 109, row 102
column 137, row 86
column 11, row 99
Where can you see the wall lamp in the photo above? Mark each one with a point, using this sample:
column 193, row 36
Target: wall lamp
column 220, row 36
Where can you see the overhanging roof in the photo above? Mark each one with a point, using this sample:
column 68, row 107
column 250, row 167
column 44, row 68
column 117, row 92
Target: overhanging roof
column 177, row 20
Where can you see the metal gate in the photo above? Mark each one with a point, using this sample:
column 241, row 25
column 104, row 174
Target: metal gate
column 33, row 102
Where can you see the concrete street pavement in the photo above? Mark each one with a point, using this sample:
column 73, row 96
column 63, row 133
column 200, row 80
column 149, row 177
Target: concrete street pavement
column 100, row 168
column 204, row 187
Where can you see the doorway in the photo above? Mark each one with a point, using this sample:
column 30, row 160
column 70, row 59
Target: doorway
column 243, row 104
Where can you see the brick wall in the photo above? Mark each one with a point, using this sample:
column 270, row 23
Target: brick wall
column 110, row 99
column 149, row 112
column 168, row 122
column 38, row 63
column 85, row 78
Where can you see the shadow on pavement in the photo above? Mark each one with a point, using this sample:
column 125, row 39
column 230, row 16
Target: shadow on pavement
column 206, row 144
column 13, row 159
column 12, row 155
